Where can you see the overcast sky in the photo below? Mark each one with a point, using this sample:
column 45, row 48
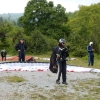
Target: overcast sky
column 17, row 6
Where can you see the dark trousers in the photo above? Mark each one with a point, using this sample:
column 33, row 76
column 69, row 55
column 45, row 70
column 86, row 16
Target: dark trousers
column 3, row 58
column 21, row 55
column 62, row 70
column 90, row 60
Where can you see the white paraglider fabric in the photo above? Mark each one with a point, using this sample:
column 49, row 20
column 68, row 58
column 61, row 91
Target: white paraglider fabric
column 40, row 67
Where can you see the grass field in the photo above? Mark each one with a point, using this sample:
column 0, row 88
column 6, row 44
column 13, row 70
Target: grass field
column 84, row 63
column 78, row 62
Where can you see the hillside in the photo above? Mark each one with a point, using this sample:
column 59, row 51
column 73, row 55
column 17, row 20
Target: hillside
column 11, row 16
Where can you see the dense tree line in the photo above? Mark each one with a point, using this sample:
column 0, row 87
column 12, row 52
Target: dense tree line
column 85, row 28
column 42, row 24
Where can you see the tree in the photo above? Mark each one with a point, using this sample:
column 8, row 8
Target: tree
column 42, row 15
column 85, row 27
column 5, row 27
column 38, row 43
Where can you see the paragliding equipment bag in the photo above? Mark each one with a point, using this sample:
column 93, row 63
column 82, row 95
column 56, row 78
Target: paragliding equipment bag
column 53, row 61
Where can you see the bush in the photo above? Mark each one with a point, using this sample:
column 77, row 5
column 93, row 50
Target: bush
column 51, row 43
column 37, row 42
column 79, row 52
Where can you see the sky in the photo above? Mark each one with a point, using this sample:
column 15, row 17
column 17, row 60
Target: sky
column 17, row 6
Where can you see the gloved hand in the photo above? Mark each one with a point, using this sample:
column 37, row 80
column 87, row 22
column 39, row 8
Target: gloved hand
column 58, row 55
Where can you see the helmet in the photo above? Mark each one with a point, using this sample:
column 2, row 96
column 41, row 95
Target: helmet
column 62, row 40
column 90, row 43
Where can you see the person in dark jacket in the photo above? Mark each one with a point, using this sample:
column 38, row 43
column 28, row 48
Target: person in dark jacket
column 62, row 54
column 3, row 55
column 90, row 54
column 21, row 48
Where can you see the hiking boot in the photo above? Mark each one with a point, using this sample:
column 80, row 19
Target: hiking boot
column 65, row 83
column 57, row 82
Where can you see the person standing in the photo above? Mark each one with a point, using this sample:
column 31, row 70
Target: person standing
column 21, row 48
column 62, row 54
column 3, row 55
column 90, row 54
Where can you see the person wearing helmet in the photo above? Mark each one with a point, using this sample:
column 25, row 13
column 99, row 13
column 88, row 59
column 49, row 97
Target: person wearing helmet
column 90, row 54
column 62, row 54
column 21, row 48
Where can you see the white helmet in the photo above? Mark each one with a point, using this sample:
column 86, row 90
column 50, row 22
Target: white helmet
column 90, row 43
column 62, row 40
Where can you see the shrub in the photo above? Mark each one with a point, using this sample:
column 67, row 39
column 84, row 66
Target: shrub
column 79, row 52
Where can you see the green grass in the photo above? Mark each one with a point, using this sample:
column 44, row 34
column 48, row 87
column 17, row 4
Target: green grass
column 12, row 79
column 15, row 79
column 47, row 55
column 37, row 95
column 84, row 62
column 18, row 95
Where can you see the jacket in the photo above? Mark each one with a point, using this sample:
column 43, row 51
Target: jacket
column 21, row 46
column 89, row 49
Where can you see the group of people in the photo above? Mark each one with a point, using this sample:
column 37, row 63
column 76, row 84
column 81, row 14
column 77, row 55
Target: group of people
column 20, row 47
column 61, row 57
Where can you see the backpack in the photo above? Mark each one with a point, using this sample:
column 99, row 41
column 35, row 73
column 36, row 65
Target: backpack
column 53, row 61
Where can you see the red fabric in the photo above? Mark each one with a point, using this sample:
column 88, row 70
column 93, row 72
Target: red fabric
column 15, row 58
